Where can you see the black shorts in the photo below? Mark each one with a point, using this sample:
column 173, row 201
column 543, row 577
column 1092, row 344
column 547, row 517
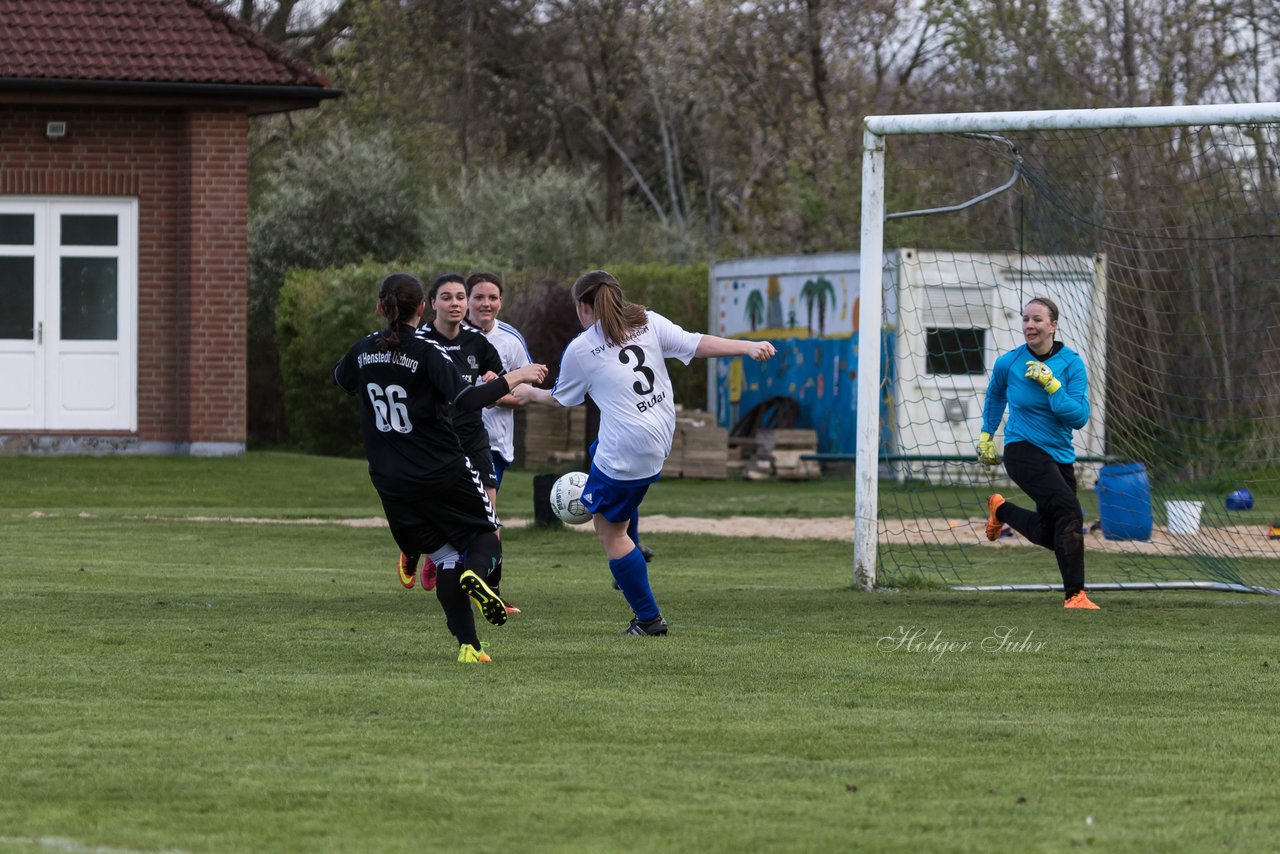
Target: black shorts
column 449, row 506
column 482, row 462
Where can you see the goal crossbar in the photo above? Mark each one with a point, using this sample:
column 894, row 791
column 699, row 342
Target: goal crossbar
column 1031, row 120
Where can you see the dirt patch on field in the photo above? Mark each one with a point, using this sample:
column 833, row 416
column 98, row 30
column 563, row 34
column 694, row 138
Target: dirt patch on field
column 1232, row 541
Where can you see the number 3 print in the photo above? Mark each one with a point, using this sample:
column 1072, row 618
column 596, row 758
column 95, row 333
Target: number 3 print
column 639, row 387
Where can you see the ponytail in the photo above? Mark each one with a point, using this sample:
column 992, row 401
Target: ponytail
column 399, row 296
column 617, row 317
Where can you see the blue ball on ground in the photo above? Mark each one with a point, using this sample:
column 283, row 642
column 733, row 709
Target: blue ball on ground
column 1241, row 499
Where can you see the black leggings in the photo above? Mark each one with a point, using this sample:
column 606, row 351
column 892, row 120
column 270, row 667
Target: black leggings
column 1056, row 522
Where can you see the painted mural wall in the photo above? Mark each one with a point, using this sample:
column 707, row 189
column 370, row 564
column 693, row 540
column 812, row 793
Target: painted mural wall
column 807, row 306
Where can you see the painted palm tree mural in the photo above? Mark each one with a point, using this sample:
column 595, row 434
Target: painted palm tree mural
column 817, row 292
column 773, row 302
column 755, row 309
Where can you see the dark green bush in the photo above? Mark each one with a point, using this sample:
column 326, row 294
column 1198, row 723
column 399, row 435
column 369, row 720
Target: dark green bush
column 338, row 200
column 322, row 312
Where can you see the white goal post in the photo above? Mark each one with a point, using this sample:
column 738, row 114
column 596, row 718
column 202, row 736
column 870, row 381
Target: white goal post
column 872, row 250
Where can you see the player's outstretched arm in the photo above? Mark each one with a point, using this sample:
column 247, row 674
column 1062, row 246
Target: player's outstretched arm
column 532, row 374
column 474, row 397
column 507, row 401
column 533, row 394
column 712, row 346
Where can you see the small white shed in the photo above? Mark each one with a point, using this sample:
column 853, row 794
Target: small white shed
column 947, row 317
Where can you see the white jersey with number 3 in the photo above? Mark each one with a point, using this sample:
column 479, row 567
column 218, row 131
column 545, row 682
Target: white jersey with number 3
column 630, row 385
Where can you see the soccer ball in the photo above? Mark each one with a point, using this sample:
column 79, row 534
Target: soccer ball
column 566, row 498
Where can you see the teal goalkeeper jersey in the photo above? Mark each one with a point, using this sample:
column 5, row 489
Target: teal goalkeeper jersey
column 1045, row 420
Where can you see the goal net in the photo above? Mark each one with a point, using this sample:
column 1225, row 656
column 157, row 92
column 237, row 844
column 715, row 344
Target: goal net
column 1156, row 232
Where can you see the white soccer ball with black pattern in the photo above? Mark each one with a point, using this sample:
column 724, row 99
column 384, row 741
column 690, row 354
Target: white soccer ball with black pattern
column 566, row 498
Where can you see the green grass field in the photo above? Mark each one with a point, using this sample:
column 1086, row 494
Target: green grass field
column 167, row 684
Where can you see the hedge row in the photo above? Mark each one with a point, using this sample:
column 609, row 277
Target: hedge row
column 323, row 311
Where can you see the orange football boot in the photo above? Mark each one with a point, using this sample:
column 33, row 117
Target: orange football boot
column 994, row 525
column 1080, row 600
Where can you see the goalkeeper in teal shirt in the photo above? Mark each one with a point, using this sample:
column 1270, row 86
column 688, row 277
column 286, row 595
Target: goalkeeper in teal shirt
column 1044, row 384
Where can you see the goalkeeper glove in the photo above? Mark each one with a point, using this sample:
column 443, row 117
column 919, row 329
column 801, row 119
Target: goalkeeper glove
column 987, row 449
column 1043, row 374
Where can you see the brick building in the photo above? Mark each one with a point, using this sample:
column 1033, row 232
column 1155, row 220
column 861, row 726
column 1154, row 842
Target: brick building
column 124, row 134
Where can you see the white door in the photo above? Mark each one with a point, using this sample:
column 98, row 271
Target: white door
column 68, row 314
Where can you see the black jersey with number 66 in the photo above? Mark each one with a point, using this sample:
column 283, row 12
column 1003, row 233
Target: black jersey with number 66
column 408, row 397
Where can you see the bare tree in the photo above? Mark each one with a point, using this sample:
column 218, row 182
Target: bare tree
column 310, row 28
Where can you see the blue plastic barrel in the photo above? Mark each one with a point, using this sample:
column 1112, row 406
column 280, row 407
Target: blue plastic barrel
column 1124, row 502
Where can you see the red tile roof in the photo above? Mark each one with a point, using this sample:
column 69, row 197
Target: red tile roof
column 152, row 41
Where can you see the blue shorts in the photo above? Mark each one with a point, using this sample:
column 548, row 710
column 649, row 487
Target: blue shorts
column 616, row 500
column 500, row 464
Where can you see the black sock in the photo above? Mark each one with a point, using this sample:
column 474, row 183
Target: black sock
column 495, row 575
column 484, row 557
column 456, row 604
